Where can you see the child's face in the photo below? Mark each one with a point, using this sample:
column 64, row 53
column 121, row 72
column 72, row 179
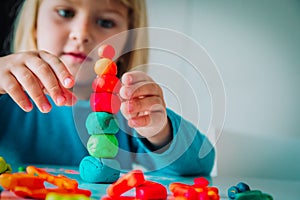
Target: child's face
column 70, row 29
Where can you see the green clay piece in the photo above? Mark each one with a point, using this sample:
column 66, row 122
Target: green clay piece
column 253, row 195
column 9, row 169
column 21, row 169
column 58, row 196
column 103, row 146
column 4, row 167
column 101, row 123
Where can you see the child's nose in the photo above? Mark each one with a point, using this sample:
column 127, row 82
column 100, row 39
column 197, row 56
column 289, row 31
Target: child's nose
column 81, row 34
column 80, row 37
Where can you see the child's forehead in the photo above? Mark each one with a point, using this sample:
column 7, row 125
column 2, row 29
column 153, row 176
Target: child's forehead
column 93, row 6
column 100, row 3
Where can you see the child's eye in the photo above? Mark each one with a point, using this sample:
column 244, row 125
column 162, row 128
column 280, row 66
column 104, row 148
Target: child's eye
column 106, row 23
column 66, row 13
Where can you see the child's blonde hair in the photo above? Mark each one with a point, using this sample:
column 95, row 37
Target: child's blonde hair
column 24, row 39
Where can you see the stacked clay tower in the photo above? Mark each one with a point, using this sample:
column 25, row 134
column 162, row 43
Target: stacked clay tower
column 102, row 145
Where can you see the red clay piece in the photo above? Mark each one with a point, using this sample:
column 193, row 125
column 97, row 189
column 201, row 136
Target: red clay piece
column 151, row 190
column 106, row 51
column 106, row 83
column 130, row 180
column 105, row 102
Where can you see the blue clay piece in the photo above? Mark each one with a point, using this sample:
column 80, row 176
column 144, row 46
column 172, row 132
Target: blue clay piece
column 243, row 187
column 95, row 170
column 101, row 123
column 232, row 191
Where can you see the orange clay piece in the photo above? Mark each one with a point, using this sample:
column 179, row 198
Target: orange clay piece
column 31, row 184
column 59, row 180
column 105, row 66
column 42, row 193
column 200, row 190
column 213, row 193
column 11, row 181
column 130, row 180
column 183, row 190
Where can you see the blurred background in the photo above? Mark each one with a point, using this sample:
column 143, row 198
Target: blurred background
column 8, row 13
column 256, row 47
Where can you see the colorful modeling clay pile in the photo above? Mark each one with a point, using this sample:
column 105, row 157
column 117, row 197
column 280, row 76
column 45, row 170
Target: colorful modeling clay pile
column 31, row 184
column 135, row 179
column 100, row 167
column 145, row 189
column 242, row 191
column 199, row 190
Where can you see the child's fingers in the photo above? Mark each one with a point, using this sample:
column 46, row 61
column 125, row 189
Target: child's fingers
column 135, row 107
column 148, row 120
column 16, row 92
column 139, row 90
column 140, row 121
column 64, row 76
column 71, row 99
column 134, row 77
column 146, row 115
column 36, row 73
column 30, row 84
column 144, row 107
column 138, row 84
column 60, row 70
column 53, row 75
column 70, row 96
column 44, row 73
column 149, row 125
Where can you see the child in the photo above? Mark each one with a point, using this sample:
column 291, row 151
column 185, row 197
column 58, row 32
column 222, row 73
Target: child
column 53, row 38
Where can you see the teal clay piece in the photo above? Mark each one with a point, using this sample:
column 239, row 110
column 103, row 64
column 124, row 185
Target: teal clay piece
column 103, row 146
column 97, row 170
column 242, row 191
column 101, row 123
column 253, row 195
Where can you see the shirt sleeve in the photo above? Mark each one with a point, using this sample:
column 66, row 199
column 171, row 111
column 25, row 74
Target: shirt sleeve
column 189, row 153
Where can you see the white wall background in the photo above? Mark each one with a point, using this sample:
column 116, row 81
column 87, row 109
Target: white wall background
column 256, row 46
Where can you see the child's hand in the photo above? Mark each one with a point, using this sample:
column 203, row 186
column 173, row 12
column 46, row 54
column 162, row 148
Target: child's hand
column 35, row 73
column 144, row 107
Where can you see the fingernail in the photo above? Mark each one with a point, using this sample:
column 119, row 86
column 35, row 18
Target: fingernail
column 28, row 108
column 60, row 100
column 126, row 79
column 68, row 82
column 46, row 108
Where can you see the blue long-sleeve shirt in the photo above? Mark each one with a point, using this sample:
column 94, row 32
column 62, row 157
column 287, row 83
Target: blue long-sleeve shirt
column 59, row 137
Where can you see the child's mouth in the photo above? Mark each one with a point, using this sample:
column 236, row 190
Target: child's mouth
column 77, row 57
